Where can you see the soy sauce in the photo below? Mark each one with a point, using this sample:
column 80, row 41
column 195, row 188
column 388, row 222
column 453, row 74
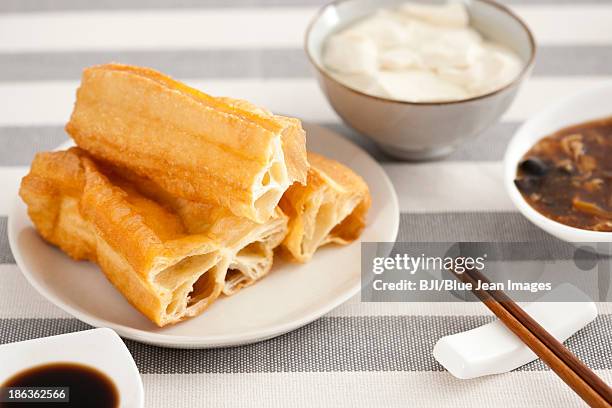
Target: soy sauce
column 88, row 387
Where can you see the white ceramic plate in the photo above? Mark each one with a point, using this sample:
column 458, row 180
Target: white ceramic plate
column 290, row 297
column 111, row 357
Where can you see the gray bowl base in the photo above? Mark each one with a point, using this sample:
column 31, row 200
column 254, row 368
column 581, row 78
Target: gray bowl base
column 417, row 155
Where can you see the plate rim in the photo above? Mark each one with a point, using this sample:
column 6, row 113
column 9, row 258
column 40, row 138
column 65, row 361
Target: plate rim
column 209, row 341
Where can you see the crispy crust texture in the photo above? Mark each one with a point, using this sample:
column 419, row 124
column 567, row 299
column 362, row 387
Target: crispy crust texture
column 138, row 243
column 168, row 256
column 330, row 208
column 195, row 146
column 293, row 138
column 250, row 244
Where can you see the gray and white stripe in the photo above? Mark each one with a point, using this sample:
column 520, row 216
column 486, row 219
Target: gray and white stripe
column 363, row 343
column 233, row 28
column 553, row 60
column 22, row 142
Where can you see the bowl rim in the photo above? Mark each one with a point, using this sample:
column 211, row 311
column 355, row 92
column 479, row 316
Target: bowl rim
column 510, row 164
column 517, row 80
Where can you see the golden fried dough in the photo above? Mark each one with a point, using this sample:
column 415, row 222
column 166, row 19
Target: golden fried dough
column 250, row 244
column 193, row 145
column 168, row 256
column 330, row 208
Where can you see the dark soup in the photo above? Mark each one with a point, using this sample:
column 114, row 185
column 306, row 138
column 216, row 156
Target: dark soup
column 567, row 176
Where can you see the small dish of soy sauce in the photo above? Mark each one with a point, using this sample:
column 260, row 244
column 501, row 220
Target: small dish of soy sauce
column 91, row 368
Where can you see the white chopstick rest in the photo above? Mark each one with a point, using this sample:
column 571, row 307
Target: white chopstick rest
column 493, row 349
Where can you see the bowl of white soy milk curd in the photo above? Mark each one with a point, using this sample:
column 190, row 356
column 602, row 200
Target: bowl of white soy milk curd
column 419, row 77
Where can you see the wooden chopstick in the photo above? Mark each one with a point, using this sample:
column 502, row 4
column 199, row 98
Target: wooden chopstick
column 592, row 389
column 551, row 342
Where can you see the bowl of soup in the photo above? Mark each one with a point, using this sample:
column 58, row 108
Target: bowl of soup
column 558, row 168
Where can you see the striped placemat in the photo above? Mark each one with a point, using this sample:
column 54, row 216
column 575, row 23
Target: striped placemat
column 361, row 354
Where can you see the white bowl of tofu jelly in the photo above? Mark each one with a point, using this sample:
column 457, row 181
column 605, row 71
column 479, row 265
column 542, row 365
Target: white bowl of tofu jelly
column 419, row 77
